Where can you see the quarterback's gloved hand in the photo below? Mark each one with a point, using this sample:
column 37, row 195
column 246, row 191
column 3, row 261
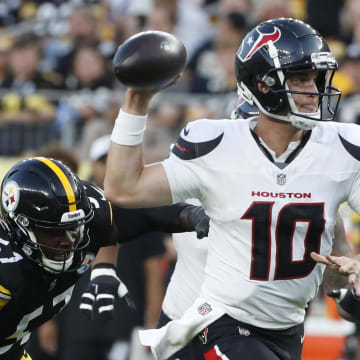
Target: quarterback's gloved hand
column 197, row 219
column 99, row 296
column 347, row 300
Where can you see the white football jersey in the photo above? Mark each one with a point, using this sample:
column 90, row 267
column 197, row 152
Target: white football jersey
column 265, row 221
column 188, row 276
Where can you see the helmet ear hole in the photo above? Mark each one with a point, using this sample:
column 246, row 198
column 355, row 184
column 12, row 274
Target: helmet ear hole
column 263, row 87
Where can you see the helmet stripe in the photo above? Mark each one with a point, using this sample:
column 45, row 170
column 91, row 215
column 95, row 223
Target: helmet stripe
column 111, row 212
column 63, row 179
column 4, row 293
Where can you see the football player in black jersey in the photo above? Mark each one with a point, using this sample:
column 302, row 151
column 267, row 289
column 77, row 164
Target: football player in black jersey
column 52, row 227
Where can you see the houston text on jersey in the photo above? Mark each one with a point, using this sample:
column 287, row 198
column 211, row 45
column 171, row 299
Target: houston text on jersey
column 281, row 195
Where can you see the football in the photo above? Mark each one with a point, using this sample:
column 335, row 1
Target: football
column 149, row 60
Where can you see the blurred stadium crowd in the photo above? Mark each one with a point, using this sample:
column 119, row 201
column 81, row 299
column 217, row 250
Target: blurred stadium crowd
column 55, row 63
column 57, row 86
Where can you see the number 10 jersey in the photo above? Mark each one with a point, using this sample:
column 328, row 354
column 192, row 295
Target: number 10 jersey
column 265, row 220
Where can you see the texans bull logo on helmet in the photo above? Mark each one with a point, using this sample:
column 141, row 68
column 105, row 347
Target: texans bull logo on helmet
column 251, row 45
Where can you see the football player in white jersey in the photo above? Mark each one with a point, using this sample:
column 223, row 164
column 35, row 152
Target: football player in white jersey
column 271, row 185
column 188, row 274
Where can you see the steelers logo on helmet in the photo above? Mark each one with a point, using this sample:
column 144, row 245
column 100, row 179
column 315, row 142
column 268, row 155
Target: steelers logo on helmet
column 10, row 196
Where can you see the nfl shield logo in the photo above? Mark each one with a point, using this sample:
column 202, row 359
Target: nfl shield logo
column 281, row 179
column 204, row 309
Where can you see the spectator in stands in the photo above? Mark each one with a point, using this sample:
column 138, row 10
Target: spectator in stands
column 272, row 9
column 6, row 42
column 90, row 75
column 348, row 80
column 211, row 69
column 329, row 26
column 351, row 22
column 184, row 14
column 26, row 116
column 161, row 19
column 89, row 70
column 242, row 6
column 23, row 74
column 83, row 31
column 56, row 150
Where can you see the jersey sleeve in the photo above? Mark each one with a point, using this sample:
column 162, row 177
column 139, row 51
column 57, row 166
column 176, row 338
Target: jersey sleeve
column 354, row 196
column 10, row 276
column 100, row 227
column 349, row 135
column 186, row 158
column 131, row 223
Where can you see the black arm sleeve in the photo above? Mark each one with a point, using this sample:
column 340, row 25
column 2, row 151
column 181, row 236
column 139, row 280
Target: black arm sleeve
column 131, row 223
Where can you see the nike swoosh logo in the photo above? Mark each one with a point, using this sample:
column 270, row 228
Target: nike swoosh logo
column 186, row 131
column 302, row 339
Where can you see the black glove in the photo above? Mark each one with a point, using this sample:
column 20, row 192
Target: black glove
column 195, row 218
column 99, row 296
column 348, row 300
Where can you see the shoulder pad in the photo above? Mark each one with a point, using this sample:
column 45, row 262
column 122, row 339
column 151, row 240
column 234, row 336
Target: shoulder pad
column 349, row 135
column 103, row 214
column 10, row 277
column 198, row 138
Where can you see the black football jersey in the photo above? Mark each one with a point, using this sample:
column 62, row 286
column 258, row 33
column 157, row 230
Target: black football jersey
column 29, row 296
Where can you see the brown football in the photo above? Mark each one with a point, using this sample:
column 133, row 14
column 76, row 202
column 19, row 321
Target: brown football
column 149, row 60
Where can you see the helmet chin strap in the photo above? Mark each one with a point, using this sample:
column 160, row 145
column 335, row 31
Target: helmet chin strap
column 51, row 266
column 295, row 119
column 56, row 267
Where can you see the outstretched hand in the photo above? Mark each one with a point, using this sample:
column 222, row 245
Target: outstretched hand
column 344, row 265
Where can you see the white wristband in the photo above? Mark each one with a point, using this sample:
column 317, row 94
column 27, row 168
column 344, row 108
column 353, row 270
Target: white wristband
column 129, row 129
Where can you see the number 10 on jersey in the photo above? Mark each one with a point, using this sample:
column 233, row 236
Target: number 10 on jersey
column 260, row 213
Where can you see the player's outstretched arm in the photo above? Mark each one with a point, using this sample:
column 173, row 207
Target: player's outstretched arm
column 128, row 182
column 180, row 217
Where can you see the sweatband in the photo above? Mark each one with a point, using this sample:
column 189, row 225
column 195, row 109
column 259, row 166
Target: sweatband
column 129, row 129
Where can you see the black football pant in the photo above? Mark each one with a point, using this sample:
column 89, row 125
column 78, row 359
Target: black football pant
column 229, row 339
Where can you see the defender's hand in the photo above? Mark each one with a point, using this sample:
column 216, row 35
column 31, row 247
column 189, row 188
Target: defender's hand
column 198, row 219
column 99, row 297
